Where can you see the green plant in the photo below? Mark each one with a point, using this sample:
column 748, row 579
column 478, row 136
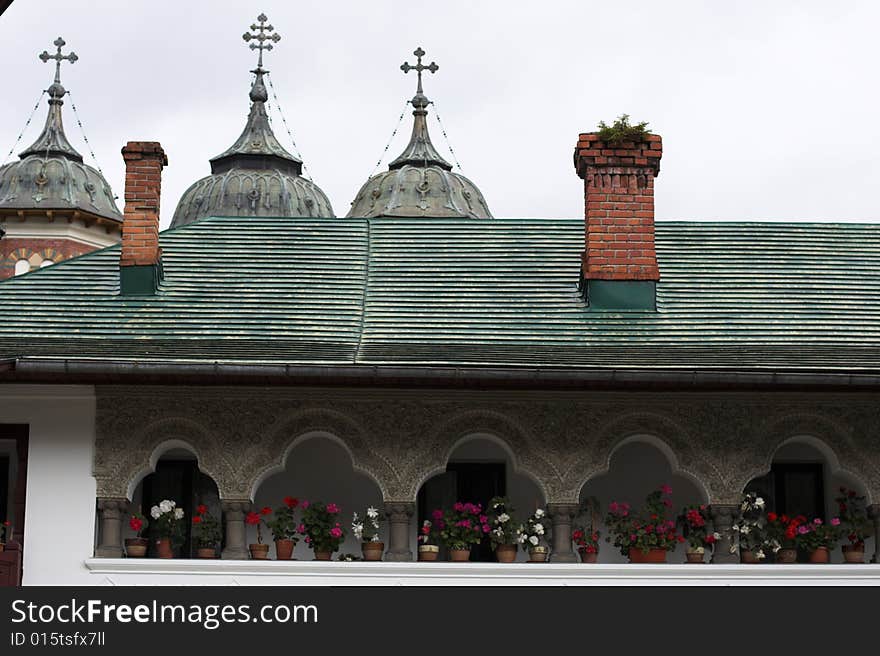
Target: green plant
column 5, row 527
column 430, row 531
column 854, row 520
column 464, row 525
column 533, row 533
column 694, row 520
column 167, row 521
column 138, row 523
column 319, row 525
column 502, row 522
column 816, row 534
column 283, row 527
column 585, row 533
column 206, row 528
column 647, row 530
column 622, row 130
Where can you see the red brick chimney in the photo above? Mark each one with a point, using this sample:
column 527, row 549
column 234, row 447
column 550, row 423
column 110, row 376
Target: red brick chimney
column 619, row 264
column 140, row 264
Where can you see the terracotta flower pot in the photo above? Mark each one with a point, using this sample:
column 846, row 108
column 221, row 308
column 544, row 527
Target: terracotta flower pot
column 428, row 552
column 323, row 555
column 206, row 552
column 854, row 553
column 372, row 550
column 651, row 556
column 820, row 555
column 134, row 547
column 748, row 557
column 2, row 546
column 505, row 553
column 694, row 557
column 284, row 549
column 588, row 557
column 786, row 556
column 259, row 551
column 538, row 555
column 163, row 548
column 460, row 555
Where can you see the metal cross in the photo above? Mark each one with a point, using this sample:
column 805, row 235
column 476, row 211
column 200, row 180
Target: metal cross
column 419, row 67
column 58, row 57
column 262, row 35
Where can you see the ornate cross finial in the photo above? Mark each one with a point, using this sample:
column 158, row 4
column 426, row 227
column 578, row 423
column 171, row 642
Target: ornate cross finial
column 58, row 57
column 262, row 35
column 419, row 67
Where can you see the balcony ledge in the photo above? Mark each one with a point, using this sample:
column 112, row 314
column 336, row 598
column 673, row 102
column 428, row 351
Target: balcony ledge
column 136, row 571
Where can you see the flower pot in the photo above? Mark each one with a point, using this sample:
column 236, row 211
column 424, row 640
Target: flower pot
column 372, row 550
column 748, row 557
column 134, row 547
column 284, row 549
column 206, row 552
column 588, row 557
column 259, row 551
column 505, row 553
column 820, row 555
column 650, row 556
column 854, row 553
column 428, row 552
column 786, row 556
column 2, row 546
column 323, row 555
column 694, row 557
column 460, row 555
column 538, row 555
column 163, row 548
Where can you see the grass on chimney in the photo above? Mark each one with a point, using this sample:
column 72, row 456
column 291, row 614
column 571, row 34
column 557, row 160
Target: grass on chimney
column 622, row 130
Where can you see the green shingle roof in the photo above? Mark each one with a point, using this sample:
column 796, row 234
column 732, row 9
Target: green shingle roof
column 499, row 293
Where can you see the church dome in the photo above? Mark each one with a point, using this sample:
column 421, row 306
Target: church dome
column 256, row 176
column 420, row 183
column 50, row 174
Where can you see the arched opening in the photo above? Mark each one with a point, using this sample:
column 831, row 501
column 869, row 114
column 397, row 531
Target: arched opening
column 46, row 263
column 478, row 468
column 637, row 467
column 318, row 467
column 22, row 266
column 177, row 477
column 805, row 478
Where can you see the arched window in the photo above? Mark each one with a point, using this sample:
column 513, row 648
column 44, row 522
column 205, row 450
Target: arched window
column 22, row 266
column 46, row 263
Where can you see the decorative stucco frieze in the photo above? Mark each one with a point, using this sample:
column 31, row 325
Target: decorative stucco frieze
column 400, row 438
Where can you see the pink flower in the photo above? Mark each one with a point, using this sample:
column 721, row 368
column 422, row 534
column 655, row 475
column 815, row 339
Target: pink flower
column 483, row 519
column 308, row 539
column 835, row 521
column 336, row 532
column 332, row 508
column 802, row 529
column 458, row 506
column 665, row 489
column 301, row 528
column 817, row 522
column 486, row 528
column 437, row 514
column 613, row 506
column 632, row 538
column 304, row 504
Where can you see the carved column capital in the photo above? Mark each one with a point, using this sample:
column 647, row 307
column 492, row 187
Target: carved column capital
column 113, row 507
column 723, row 516
column 561, row 516
column 399, row 514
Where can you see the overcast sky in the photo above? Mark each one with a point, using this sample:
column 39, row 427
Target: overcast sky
column 768, row 110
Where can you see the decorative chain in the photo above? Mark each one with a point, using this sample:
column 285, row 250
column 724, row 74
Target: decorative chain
column 296, row 152
column 443, row 130
column 83, row 132
column 24, row 129
column 388, row 145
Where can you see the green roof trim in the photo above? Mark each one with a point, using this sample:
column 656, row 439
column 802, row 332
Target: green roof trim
column 461, row 293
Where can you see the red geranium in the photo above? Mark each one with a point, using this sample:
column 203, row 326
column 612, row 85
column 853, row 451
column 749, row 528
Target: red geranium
column 201, row 509
column 291, row 502
column 197, row 519
column 266, row 510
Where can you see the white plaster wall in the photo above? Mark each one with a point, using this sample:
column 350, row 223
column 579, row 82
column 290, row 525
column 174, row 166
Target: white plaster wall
column 60, row 501
column 319, row 469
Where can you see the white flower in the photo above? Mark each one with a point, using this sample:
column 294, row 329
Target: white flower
column 155, row 512
column 745, row 529
column 372, row 512
column 759, row 502
column 539, row 513
column 375, row 538
column 716, row 535
column 539, row 529
column 503, row 517
column 178, row 513
column 759, row 554
column 736, row 527
column 165, row 505
column 534, row 539
column 521, row 538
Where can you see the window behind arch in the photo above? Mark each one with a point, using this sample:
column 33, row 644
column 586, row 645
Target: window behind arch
column 46, row 263
column 22, row 266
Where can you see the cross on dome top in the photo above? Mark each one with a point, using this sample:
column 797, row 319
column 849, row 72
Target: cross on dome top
column 263, row 34
column 406, row 67
column 56, row 90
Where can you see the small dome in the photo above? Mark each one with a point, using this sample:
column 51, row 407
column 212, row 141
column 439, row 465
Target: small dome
column 420, row 183
column 50, row 174
column 256, row 176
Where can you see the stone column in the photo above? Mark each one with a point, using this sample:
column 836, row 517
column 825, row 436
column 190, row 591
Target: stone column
column 874, row 514
column 561, row 514
column 110, row 514
column 399, row 516
column 723, row 516
column 236, row 536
